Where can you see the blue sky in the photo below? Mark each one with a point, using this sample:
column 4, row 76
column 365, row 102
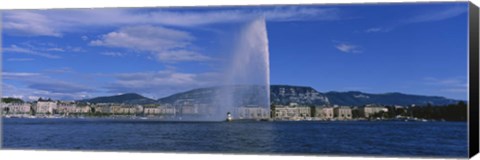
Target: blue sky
column 80, row 53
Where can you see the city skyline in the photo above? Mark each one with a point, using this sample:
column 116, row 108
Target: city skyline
column 84, row 53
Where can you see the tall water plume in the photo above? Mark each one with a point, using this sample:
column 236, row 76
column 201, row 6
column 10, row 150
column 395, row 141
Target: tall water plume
column 243, row 89
column 246, row 89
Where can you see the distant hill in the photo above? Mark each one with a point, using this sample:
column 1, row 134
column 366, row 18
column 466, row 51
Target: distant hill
column 304, row 95
column 284, row 94
column 199, row 94
column 11, row 100
column 250, row 94
column 128, row 98
column 355, row 98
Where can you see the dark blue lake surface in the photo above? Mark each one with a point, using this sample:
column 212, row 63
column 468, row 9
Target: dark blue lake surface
column 430, row 139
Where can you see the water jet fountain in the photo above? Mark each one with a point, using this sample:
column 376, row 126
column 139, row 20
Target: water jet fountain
column 246, row 89
column 243, row 91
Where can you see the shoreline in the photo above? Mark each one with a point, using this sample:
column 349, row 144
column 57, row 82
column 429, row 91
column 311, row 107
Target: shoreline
column 409, row 119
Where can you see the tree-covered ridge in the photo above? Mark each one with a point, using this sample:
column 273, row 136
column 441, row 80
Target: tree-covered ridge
column 12, row 100
column 451, row 112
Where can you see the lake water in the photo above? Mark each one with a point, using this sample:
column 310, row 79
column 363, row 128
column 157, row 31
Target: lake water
column 385, row 138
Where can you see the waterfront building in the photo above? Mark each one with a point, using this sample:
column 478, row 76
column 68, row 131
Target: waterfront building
column 4, row 108
column 281, row 112
column 167, row 109
column 82, row 109
column 66, row 108
column 343, row 112
column 324, row 113
column 252, row 112
column 126, row 109
column 151, row 110
column 15, row 108
column 292, row 112
column 115, row 109
column 46, row 107
column 102, row 108
column 371, row 109
column 304, row 112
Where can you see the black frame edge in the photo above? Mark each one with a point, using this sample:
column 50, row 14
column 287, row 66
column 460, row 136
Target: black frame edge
column 473, row 102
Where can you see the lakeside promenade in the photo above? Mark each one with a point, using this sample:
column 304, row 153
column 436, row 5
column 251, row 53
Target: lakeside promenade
column 198, row 111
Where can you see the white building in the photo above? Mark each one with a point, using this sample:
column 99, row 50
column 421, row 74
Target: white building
column 343, row 112
column 151, row 110
column 15, row 108
column 369, row 110
column 125, row 109
column 252, row 112
column 292, row 112
column 46, row 107
column 82, row 109
column 102, row 108
column 66, row 108
column 324, row 113
column 167, row 110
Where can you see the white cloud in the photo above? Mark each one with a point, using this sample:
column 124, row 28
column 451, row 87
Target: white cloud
column 30, row 23
column 146, row 38
column 19, row 75
column 181, row 55
column 32, row 98
column 60, row 87
column 167, row 45
column 452, row 81
column 299, row 13
column 113, row 54
column 73, row 49
column 450, row 84
column 39, row 85
column 348, row 48
column 438, row 15
column 428, row 16
column 31, row 94
column 56, row 22
column 17, row 49
column 28, row 84
column 455, row 90
column 20, row 59
column 226, row 16
column 56, row 49
column 42, row 49
column 160, row 83
column 61, row 70
column 376, row 29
